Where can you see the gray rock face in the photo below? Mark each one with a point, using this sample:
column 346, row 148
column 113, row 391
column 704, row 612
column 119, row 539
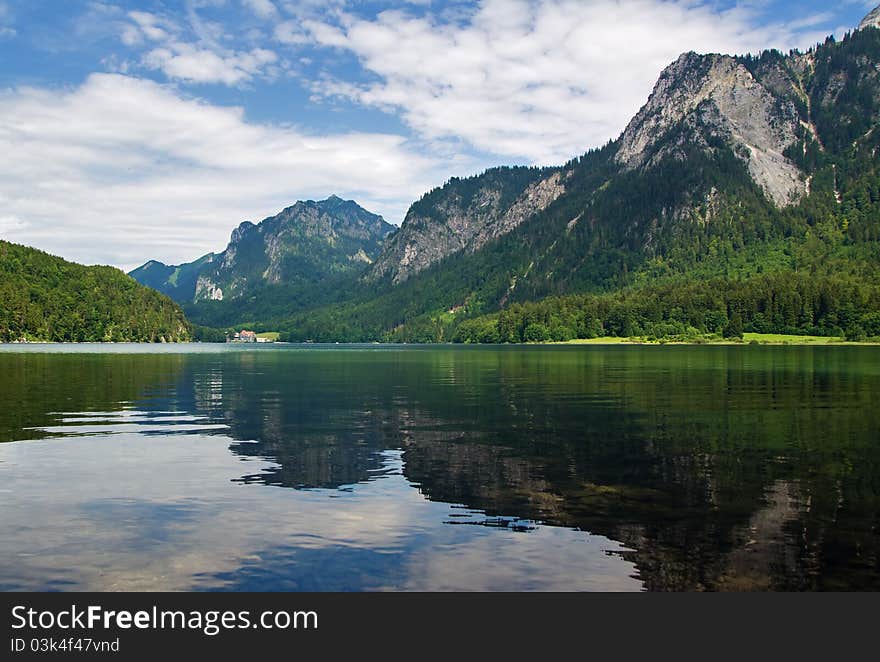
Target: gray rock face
column 208, row 291
column 456, row 223
column 306, row 241
column 715, row 95
column 872, row 19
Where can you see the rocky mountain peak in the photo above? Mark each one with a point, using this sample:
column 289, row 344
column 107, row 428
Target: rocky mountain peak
column 871, row 20
column 306, row 242
column 465, row 215
column 334, row 201
column 701, row 98
column 239, row 232
column 336, row 206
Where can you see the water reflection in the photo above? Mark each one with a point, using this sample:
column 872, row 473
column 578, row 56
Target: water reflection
column 126, row 420
column 668, row 469
column 126, row 529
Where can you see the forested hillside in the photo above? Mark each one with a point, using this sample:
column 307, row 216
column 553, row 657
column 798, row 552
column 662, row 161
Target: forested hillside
column 744, row 181
column 45, row 298
column 676, row 212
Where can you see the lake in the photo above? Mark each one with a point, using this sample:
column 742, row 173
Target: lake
column 362, row 468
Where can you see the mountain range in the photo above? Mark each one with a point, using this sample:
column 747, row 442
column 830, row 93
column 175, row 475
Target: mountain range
column 307, row 244
column 740, row 174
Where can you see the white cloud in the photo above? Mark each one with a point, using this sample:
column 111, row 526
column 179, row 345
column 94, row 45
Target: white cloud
column 11, row 224
column 203, row 60
column 131, row 35
column 536, row 79
column 121, row 169
column 262, row 8
column 302, row 8
column 153, row 27
column 190, row 63
column 291, row 33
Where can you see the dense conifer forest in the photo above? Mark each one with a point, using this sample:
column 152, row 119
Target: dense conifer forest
column 45, row 298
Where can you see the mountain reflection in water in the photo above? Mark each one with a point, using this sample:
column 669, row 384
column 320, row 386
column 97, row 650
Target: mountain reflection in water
column 676, row 468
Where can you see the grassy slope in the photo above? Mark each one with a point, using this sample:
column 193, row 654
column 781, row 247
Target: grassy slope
column 748, row 338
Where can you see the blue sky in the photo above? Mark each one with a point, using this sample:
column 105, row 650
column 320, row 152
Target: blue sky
column 149, row 129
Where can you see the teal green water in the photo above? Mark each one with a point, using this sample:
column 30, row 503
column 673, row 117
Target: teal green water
column 200, row 467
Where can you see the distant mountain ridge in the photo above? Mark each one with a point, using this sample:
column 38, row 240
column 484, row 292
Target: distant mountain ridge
column 756, row 110
column 305, row 243
column 736, row 164
column 176, row 281
column 760, row 110
column 734, row 167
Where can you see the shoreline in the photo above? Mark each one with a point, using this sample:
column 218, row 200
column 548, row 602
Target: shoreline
column 751, row 340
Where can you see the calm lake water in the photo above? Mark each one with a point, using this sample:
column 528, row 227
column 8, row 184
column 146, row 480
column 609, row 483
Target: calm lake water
column 201, row 467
